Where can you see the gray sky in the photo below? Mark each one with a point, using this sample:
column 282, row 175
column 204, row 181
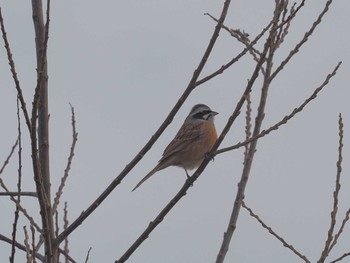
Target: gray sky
column 123, row 65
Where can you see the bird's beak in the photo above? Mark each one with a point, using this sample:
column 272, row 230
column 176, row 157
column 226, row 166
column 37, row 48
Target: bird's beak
column 214, row 113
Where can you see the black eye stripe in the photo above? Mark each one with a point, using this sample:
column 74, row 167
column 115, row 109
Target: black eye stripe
column 200, row 115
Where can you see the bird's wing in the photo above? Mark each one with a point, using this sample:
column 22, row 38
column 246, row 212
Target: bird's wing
column 186, row 134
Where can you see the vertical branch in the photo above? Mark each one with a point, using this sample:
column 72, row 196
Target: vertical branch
column 32, row 229
column 65, row 219
column 68, row 166
column 270, row 48
column 327, row 249
column 248, row 124
column 40, row 153
column 40, row 102
column 14, row 231
column 27, row 246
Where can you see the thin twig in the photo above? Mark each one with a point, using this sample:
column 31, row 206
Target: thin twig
column 243, row 38
column 57, row 229
column 19, row 183
column 32, row 229
column 27, row 246
column 14, row 73
column 340, row 231
column 327, row 249
column 23, row 193
column 272, row 232
column 65, row 225
column 6, row 162
column 283, row 30
column 22, row 209
column 20, row 97
column 340, row 258
column 293, row 13
column 235, row 59
column 68, row 257
column 286, row 118
column 20, row 246
column 69, row 163
column 191, row 86
column 87, row 256
column 248, row 125
column 302, row 42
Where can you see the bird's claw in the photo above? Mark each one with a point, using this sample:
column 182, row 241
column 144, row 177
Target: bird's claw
column 209, row 156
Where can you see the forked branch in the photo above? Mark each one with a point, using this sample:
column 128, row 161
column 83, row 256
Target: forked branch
column 191, row 86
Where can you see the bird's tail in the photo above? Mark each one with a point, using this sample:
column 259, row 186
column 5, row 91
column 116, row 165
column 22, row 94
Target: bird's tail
column 146, row 177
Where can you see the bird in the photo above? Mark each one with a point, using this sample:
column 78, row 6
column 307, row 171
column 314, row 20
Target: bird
column 192, row 142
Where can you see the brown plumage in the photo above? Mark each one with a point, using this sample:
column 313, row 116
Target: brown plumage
column 195, row 138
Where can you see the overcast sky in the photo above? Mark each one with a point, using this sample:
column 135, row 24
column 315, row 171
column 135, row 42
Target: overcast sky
column 123, row 65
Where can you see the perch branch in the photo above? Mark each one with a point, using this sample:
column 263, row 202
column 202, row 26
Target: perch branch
column 191, row 86
column 189, row 182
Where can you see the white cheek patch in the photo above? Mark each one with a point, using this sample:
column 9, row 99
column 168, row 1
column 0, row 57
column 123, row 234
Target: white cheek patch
column 206, row 116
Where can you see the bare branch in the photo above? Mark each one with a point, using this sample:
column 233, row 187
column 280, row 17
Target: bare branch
column 235, row 59
column 293, row 13
column 87, row 256
column 287, row 117
column 22, row 209
column 283, row 30
column 32, row 229
column 14, row 73
column 27, row 246
column 32, row 194
column 20, row 246
column 69, row 163
column 272, row 232
column 6, row 162
column 248, row 125
column 341, row 257
column 68, row 257
column 66, row 223
column 14, row 230
column 189, row 182
column 243, row 38
column 303, row 41
column 269, row 49
column 57, row 229
column 191, row 86
column 327, row 249
column 40, row 153
column 340, row 231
